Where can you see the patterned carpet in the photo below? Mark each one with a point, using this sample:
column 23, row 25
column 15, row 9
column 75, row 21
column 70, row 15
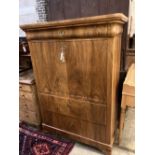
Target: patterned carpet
column 32, row 142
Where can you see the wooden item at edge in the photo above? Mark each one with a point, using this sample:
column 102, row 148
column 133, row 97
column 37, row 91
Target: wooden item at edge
column 28, row 100
column 128, row 96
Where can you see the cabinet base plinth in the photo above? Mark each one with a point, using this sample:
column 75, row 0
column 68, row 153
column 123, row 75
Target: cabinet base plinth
column 105, row 148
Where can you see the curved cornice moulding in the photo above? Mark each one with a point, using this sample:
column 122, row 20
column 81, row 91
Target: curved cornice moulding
column 96, row 26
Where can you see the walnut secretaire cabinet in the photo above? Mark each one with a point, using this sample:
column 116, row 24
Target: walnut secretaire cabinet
column 76, row 64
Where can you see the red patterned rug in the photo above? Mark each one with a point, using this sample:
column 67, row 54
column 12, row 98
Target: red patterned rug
column 32, row 142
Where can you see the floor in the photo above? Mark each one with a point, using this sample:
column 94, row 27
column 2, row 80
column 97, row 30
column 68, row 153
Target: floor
column 127, row 146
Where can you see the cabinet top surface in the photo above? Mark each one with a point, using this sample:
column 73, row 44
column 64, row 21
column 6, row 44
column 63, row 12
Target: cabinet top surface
column 130, row 78
column 102, row 19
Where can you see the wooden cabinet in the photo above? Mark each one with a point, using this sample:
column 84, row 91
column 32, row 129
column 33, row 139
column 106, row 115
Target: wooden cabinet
column 76, row 65
column 28, row 100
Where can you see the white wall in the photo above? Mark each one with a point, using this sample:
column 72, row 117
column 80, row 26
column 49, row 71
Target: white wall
column 27, row 13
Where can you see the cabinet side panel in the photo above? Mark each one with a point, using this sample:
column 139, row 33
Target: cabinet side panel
column 113, row 67
column 115, row 83
column 109, row 88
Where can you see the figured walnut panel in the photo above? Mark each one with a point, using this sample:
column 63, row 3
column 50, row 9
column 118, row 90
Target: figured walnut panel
column 82, row 73
column 83, row 128
column 81, row 110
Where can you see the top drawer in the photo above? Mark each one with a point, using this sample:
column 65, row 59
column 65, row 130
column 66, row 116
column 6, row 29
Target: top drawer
column 23, row 87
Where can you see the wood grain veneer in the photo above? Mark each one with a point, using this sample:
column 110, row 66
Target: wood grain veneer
column 76, row 65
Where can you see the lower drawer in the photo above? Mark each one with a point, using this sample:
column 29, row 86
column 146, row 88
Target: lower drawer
column 81, row 110
column 29, row 116
column 82, row 128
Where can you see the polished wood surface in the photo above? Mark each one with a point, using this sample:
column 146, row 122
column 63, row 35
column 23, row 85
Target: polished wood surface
column 76, row 65
column 74, row 108
column 128, row 96
column 82, row 74
column 86, row 21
